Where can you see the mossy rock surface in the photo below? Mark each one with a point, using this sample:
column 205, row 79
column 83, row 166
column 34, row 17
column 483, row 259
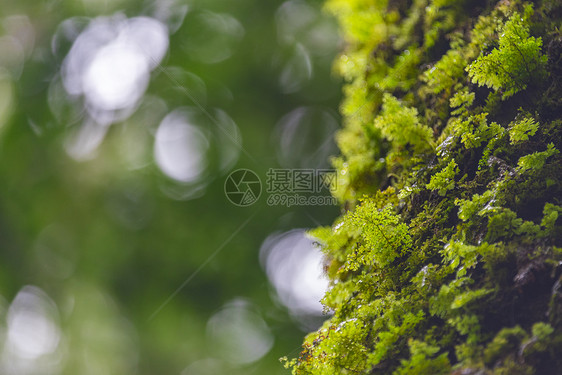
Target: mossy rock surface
column 447, row 258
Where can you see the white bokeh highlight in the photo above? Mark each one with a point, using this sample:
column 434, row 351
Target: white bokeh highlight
column 294, row 265
column 110, row 61
column 305, row 138
column 180, row 148
column 31, row 329
column 116, row 78
column 239, row 334
column 32, row 339
column 106, row 71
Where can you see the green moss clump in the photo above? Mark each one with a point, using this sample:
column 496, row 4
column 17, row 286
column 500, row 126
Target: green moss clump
column 515, row 62
column 444, row 180
column 447, row 256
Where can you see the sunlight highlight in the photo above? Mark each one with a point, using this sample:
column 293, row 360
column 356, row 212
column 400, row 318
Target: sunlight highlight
column 294, row 266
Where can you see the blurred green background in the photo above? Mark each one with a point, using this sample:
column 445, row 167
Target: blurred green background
column 119, row 123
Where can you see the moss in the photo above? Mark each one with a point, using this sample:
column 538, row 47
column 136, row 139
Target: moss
column 536, row 160
column 506, row 341
column 521, row 129
column 423, row 360
column 515, row 62
column 444, row 180
column 401, row 126
column 446, row 259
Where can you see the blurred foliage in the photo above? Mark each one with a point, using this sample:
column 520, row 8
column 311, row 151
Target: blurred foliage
column 109, row 262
